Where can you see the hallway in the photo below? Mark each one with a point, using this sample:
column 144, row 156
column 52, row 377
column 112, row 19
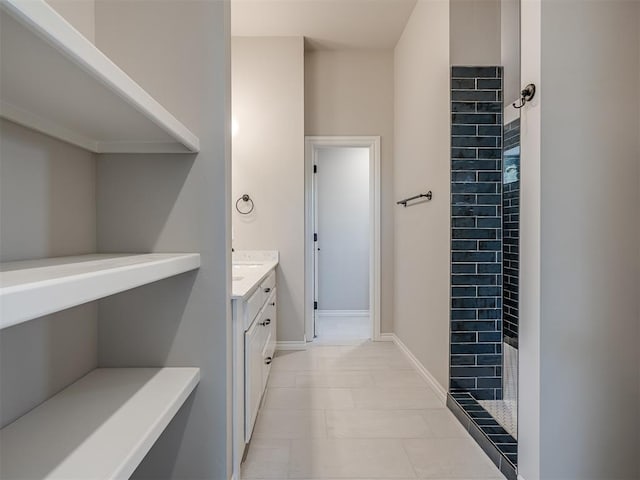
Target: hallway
column 357, row 412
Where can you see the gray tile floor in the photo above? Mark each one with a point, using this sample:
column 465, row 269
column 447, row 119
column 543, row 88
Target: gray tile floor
column 357, row 412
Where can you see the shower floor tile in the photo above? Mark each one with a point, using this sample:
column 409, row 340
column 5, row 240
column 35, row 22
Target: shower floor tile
column 505, row 412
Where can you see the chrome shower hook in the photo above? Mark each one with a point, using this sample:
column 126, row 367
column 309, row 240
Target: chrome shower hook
column 247, row 199
column 526, row 95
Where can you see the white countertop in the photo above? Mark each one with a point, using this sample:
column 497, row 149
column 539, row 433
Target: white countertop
column 249, row 269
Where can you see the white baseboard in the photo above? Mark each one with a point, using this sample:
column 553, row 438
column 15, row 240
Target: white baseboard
column 520, row 477
column 343, row 313
column 422, row 370
column 385, row 337
column 295, row 345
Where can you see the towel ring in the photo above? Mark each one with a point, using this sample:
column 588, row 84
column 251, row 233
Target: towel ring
column 247, row 199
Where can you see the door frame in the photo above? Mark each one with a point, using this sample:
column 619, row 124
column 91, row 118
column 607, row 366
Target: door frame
column 312, row 144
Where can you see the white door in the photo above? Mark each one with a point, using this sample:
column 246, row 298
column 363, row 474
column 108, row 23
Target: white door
column 342, row 242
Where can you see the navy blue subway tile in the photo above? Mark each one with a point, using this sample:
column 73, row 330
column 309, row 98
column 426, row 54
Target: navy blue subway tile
column 463, row 268
column 473, row 326
column 472, row 349
column 474, row 72
column 463, row 222
column 489, row 153
column 462, row 153
column 493, row 245
column 479, row 165
column 464, row 337
column 461, row 279
column 474, row 142
column 463, row 176
column 463, row 83
column 464, row 245
column 463, row 383
column 471, row 256
column 489, row 291
column 489, row 107
column 477, row 217
column 475, row 372
column 473, row 210
column 477, row 187
column 489, row 222
column 485, row 394
column 489, row 337
column 489, row 314
column 474, row 119
column 464, row 291
column 489, row 176
column 489, row 84
column 488, row 302
column 477, row 233
column 502, row 438
column 488, row 199
column 486, row 382
column 486, row 422
column 463, row 315
column 494, row 430
column 489, row 268
column 474, row 96
column 461, row 107
column 490, row 130
column 463, row 199
column 510, row 448
column 464, row 130
column 461, row 360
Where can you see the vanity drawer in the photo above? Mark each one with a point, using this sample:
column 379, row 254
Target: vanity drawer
column 268, row 284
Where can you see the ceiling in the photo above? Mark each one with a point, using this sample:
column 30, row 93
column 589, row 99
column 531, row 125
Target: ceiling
column 326, row 24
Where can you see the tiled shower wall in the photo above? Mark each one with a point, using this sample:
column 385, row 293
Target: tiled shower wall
column 511, row 230
column 476, row 231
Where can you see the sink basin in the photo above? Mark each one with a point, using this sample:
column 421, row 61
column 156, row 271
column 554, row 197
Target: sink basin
column 236, row 278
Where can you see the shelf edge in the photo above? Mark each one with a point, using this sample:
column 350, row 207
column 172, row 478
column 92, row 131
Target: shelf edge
column 41, row 18
column 64, row 292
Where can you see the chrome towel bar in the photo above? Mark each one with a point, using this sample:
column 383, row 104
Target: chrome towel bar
column 404, row 203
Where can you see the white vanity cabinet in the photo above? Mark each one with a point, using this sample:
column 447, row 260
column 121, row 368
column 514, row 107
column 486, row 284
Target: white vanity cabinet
column 254, row 314
column 259, row 349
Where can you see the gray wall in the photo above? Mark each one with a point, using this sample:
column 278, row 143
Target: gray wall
column 475, row 32
column 79, row 13
column 579, row 342
column 351, row 93
column 47, row 208
column 180, row 52
column 48, row 196
column 343, row 228
column 510, row 48
column 421, row 162
column 268, row 163
column 589, row 331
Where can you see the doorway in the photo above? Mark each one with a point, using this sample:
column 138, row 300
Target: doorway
column 342, row 243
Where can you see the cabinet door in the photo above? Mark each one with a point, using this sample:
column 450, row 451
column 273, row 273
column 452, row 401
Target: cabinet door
column 254, row 346
column 266, row 362
column 272, row 305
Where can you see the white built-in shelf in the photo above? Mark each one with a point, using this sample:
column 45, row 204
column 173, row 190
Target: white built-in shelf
column 100, row 427
column 55, row 81
column 32, row 288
